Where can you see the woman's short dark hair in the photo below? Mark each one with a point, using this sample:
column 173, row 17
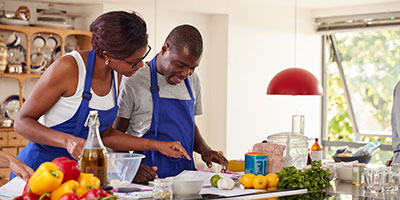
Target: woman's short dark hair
column 119, row 33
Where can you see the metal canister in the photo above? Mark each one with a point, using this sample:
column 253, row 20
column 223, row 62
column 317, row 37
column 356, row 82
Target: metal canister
column 256, row 163
column 358, row 174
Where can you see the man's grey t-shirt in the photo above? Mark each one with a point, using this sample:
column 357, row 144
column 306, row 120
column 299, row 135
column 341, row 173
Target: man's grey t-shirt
column 135, row 101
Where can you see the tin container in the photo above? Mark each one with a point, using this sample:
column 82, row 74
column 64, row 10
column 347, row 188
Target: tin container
column 358, row 174
column 256, row 163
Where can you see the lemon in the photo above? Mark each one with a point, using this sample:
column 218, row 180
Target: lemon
column 247, row 180
column 260, row 182
column 214, row 180
column 272, row 179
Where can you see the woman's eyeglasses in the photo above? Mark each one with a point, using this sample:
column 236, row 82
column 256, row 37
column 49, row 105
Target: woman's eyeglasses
column 134, row 65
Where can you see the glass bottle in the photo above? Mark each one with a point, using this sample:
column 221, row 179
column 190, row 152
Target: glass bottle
column 316, row 151
column 94, row 156
column 3, row 55
column 298, row 124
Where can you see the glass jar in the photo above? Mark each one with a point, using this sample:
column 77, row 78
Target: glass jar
column 296, row 150
column 52, row 15
column 162, row 189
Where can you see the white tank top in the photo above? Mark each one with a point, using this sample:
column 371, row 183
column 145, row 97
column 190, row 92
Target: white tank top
column 66, row 107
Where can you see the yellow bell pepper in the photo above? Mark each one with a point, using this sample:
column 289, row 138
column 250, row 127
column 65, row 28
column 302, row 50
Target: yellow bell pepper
column 45, row 179
column 87, row 181
column 70, row 186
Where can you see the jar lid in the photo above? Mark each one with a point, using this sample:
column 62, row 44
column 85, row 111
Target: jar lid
column 284, row 136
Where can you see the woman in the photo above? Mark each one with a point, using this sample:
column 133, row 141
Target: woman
column 52, row 117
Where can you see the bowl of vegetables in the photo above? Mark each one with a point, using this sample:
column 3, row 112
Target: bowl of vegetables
column 360, row 159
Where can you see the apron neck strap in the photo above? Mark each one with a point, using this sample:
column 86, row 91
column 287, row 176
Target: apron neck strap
column 154, row 89
column 86, row 95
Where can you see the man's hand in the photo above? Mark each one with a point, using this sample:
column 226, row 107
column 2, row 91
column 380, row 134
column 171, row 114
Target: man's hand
column 173, row 149
column 145, row 174
column 213, row 156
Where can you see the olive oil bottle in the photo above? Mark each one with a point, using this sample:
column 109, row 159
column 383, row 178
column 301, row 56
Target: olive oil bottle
column 94, row 156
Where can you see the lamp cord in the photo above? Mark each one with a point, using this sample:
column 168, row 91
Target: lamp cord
column 155, row 23
column 295, row 31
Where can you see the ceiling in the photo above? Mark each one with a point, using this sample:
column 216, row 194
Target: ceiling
column 312, row 4
column 316, row 4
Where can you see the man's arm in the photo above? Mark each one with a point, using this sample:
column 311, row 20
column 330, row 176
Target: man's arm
column 121, row 124
column 207, row 154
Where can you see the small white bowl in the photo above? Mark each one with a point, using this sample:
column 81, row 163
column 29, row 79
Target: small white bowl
column 184, row 186
column 344, row 173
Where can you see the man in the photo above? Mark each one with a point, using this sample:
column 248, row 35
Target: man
column 396, row 124
column 158, row 103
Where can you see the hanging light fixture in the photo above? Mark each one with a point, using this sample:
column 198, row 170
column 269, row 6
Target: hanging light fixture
column 294, row 81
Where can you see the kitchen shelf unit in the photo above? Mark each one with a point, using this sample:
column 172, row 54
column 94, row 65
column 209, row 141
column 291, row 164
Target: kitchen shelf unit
column 10, row 141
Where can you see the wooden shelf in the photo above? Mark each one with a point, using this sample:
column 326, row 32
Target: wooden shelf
column 4, row 129
column 20, row 76
column 83, row 41
column 34, row 29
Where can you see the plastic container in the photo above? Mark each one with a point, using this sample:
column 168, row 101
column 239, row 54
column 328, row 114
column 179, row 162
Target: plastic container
column 122, row 167
column 296, row 150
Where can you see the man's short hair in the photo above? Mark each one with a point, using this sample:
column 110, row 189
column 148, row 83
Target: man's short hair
column 186, row 36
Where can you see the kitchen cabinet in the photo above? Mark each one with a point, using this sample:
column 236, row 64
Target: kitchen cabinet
column 10, row 141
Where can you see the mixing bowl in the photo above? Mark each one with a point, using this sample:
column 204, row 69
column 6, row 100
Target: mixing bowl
column 122, row 166
column 360, row 159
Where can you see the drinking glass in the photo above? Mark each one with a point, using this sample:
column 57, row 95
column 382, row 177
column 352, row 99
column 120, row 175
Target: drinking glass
column 392, row 178
column 373, row 179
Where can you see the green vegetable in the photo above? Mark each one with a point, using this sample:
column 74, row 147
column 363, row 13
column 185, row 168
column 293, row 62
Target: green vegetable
column 314, row 178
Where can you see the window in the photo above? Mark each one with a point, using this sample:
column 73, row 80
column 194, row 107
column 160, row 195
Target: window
column 363, row 69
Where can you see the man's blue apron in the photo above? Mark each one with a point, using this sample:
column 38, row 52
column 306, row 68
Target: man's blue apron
column 173, row 120
column 35, row 154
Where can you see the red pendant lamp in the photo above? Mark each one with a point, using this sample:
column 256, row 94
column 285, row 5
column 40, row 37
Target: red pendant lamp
column 294, row 81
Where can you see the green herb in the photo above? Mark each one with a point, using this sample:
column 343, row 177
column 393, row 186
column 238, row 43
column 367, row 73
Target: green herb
column 313, row 178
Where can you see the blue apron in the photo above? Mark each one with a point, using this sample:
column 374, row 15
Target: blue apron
column 172, row 120
column 35, row 154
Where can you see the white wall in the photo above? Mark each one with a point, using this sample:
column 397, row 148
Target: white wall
column 261, row 43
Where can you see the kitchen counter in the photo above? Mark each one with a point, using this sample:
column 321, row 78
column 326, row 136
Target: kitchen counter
column 337, row 190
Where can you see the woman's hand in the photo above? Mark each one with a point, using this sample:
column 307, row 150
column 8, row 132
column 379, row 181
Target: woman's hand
column 172, row 149
column 216, row 157
column 19, row 168
column 75, row 146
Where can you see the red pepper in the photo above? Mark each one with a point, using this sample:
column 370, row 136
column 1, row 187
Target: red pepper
column 70, row 168
column 98, row 194
column 26, row 188
column 32, row 196
column 70, row 196
column 28, row 195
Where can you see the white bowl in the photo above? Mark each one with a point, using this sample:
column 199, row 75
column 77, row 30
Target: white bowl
column 122, row 167
column 344, row 173
column 185, row 186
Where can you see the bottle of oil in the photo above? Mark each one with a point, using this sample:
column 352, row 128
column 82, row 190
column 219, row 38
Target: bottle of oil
column 94, row 155
column 316, row 151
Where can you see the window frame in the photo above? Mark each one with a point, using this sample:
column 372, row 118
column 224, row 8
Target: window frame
column 328, row 43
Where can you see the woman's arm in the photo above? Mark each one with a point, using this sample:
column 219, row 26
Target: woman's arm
column 60, row 79
column 16, row 166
